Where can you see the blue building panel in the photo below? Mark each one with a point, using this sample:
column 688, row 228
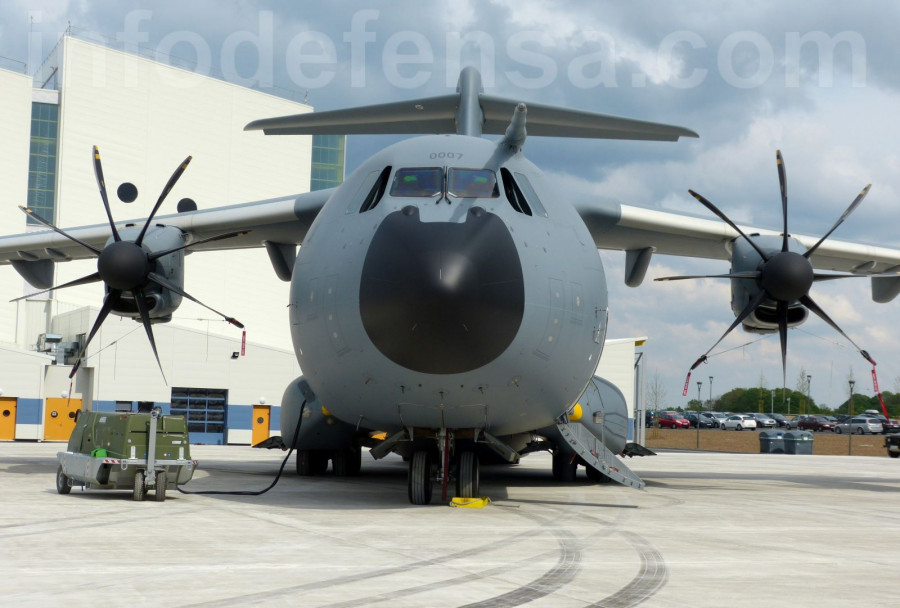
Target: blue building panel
column 29, row 411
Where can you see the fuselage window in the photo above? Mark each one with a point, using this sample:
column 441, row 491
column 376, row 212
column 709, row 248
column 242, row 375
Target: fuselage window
column 514, row 193
column 376, row 191
column 472, row 183
column 530, row 195
column 419, row 182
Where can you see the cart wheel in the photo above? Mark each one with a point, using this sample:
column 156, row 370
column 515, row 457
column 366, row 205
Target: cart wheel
column 140, row 488
column 160, row 486
column 62, row 482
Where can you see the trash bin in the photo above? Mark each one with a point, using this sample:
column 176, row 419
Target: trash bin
column 771, row 442
column 798, row 442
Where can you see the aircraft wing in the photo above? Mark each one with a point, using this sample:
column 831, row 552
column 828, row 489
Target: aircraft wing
column 279, row 220
column 636, row 229
column 279, row 223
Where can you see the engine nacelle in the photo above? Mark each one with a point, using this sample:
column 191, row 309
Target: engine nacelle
column 744, row 258
column 319, row 430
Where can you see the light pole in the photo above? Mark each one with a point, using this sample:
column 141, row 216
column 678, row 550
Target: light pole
column 789, row 406
column 710, row 393
column 772, row 402
column 808, row 385
column 699, row 409
column 849, row 418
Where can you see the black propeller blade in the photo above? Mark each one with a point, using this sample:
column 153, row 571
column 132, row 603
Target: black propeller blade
column 98, row 173
column 783, row 277
column 165, row 192
column 30, row 213
column 127, row 267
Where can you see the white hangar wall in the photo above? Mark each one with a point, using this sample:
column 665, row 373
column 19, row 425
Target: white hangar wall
column 15, row 130
column 146, row 117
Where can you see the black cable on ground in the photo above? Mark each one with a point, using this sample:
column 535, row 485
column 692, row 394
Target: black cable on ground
column 277, row 477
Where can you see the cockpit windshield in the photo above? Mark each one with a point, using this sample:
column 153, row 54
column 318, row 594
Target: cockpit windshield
column 472, row 183
column 418, row 181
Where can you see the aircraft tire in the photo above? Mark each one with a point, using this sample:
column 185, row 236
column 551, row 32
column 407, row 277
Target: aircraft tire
column 564, row 467
column 468, row 476
column 595, row 475
column 347, row 462
column 311, row 462
column 419, row 480
column 63, row 487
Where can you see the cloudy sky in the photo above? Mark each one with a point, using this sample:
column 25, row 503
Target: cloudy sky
column 750, row 78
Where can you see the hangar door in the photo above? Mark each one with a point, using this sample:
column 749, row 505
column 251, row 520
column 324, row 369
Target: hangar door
column 205, row 411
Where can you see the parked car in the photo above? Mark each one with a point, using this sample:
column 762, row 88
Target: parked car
column 706, row 422
column 860, row 425
column 794, row 423
column 764, row 421
column 779, row 419
column 815, row 423
column 887, row 425
column 716, row 417
column 739, row 422
column 673, row 420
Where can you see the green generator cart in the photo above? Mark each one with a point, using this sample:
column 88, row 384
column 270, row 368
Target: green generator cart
column 115, row 451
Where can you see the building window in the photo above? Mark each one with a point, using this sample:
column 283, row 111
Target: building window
column 42, row 161
column 327, row 169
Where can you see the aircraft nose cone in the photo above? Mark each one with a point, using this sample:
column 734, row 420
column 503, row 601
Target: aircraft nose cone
column 442, row 298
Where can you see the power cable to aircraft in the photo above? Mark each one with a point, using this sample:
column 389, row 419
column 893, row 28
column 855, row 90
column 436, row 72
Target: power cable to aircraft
column 270, row 486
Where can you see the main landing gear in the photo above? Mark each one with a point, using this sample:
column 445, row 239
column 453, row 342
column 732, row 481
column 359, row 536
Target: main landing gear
column 344, row 463
column 442, row 465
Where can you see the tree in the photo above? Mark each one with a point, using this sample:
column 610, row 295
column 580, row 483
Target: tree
column 656, row 393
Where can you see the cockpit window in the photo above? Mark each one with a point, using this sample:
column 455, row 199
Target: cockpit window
column 472, row 183
column 418, row 181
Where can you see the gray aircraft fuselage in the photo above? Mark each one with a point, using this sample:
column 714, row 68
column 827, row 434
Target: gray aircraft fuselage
column 442, row 311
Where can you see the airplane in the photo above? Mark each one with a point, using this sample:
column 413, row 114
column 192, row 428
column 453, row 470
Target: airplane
column 447, row 301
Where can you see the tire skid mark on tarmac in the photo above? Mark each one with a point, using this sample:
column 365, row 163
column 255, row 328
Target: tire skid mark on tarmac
column 651, row 577
column 459, row 580
column 563, row 572
column 406, row 568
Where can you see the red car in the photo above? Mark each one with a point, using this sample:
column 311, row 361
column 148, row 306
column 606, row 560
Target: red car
column 673, row 421
column 814, row 423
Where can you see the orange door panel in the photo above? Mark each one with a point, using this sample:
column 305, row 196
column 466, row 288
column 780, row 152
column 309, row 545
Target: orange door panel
column 59, row 418
column 260, row 424
column 7, row 418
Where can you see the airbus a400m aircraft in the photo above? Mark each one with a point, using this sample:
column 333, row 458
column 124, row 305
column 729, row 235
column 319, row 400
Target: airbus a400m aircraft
column 447, row 294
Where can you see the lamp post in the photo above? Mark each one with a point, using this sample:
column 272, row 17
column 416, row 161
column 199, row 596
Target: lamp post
column 699, row 409
column 710, row 393
column 849, row 418
column 772, row 402
column 808, row 385
column 789, row 406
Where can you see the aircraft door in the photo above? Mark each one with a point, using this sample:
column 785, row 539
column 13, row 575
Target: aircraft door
column 261, row 419
column 59, row 418
column 7, row 418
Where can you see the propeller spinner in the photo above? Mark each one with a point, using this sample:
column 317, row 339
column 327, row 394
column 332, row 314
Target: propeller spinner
column 128, row 266
column 783, row 277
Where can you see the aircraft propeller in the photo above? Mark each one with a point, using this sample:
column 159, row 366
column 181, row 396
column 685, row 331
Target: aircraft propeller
column 128, row 266
column 783, row 276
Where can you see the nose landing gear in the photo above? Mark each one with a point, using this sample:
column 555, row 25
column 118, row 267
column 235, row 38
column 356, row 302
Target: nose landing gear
column 428, row 465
